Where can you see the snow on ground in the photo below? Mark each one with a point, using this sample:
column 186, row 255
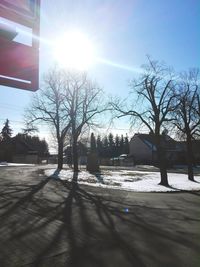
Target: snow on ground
column 138, row 181
column 3, row 164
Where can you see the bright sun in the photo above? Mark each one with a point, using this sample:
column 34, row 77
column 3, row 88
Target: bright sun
column 74, row 50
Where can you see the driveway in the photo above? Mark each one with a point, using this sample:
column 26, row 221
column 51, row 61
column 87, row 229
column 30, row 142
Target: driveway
column 48, row 222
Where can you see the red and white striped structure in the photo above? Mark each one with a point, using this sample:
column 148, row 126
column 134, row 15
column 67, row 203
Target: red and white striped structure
column 19, row 63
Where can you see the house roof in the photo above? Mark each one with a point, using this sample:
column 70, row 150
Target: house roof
column 150, row 141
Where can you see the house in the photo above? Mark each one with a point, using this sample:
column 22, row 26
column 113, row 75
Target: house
column 18, row 150
column 195, row 148
column 196, row 151
column 143, row 149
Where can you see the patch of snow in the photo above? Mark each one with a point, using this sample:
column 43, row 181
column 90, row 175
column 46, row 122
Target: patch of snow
column 137, row 181
column 3, row 164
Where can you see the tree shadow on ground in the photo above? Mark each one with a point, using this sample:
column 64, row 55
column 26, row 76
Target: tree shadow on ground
column 99, row 176
column 59, row 223
column 195, row 182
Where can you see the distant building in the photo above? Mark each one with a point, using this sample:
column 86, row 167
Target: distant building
column 19, row 151
column 196, row 151
column 143, row 149
column 195, row 148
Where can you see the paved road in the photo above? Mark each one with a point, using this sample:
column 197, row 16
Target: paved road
column 46, row 222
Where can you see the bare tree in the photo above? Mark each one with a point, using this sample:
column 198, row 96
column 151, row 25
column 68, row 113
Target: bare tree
column 152, row 106
column 187, row 113
column 85, row 100
column 49, row 106
column 68, row 102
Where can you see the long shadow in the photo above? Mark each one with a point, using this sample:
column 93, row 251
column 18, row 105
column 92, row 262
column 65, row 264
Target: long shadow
column 99, row 177
column 76, row 231
column 82, row 253
column 66, row 218
column 195, row 182
column 75, row 227
column 106, row 221
column 67, row 231
column 27, row 198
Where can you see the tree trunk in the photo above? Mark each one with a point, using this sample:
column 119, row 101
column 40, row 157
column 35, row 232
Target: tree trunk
column 190, row 159
column 163, row 176
column 74, row 181
column 75, row 154
column 162, row 162
column 60, row 155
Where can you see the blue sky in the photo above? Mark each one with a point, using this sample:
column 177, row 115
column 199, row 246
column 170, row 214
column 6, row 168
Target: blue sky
column 123, row 32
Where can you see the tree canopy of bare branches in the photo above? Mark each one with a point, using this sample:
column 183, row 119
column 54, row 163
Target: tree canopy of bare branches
column 152, row 106
column 86, row 104
column 67, row 102
column 48, row 106
column 187, row 113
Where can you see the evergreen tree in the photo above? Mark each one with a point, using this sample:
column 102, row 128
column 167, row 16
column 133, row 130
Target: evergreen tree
column 6, row 132
column 105, row 147
column 105, row 142
column 6, row 146
column 126, row 145
column 110, row 140
column 33, row 143
column 93, row 146
column 99, row 145
column 117, row 146
column 121, row 144
column 111, row 144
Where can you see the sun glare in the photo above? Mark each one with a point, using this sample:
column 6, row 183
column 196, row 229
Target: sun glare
column 74, row 50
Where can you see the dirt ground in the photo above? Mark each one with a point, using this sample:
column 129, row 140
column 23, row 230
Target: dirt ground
column 47, row 222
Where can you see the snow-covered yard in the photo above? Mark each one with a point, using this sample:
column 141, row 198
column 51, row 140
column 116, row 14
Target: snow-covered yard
column 139, row 181
column 3, row 164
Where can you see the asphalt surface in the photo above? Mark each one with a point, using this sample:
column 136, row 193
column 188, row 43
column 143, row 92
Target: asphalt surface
column 46, row 222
